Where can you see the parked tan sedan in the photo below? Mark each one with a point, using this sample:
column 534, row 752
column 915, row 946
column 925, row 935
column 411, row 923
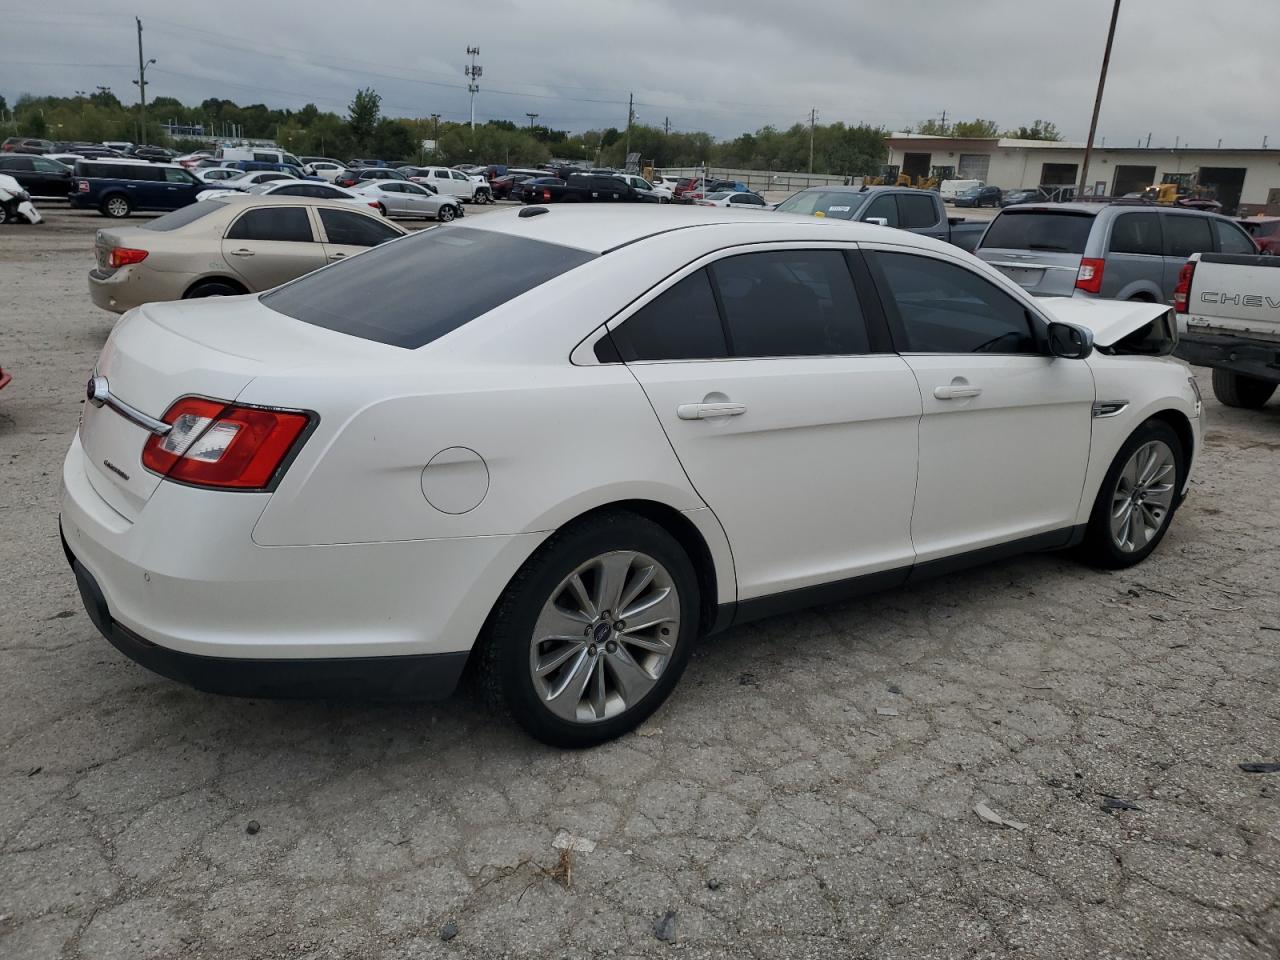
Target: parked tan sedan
column 227, row 246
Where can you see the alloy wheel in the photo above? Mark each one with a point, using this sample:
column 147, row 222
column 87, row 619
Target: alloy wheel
column 118, row 207
column 605, row 636
column 1143, row 496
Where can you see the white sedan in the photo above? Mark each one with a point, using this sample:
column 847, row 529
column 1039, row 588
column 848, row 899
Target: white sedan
column 243, row 182
column 564, row 443
column 739, row 200
column 310, row 188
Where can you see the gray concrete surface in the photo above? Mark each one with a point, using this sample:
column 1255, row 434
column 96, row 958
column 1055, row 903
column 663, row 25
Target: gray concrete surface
column 769, row 805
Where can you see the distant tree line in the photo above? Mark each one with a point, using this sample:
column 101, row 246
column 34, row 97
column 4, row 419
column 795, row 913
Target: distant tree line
column 986, row 129
column 846, row 150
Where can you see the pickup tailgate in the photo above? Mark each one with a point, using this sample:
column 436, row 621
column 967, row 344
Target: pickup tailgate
column 1235, row 293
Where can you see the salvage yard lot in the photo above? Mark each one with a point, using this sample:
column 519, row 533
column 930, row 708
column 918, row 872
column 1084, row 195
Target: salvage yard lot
column 808, row 791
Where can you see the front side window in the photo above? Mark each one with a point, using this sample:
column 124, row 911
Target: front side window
column 174, row 175
column 459, row 176
column 279, row 224
column 355, row 229
column 44, row 165
column 945, row 308
column 1231, row 239
column 790, row 303
column 883, row 206
column 1137, row 233
column 681, row 323
column 1185, row 235
column 917, row 210
column 378, row 295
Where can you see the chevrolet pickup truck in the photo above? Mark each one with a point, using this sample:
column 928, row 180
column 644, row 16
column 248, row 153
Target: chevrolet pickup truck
column 1228, row 308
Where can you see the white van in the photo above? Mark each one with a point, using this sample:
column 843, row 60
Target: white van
column 256, row 155
column 950, row 189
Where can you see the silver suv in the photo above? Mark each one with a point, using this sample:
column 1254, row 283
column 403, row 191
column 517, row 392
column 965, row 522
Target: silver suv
column 1121, row 251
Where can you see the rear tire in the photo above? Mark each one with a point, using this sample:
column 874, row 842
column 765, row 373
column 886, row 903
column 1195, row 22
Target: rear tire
column 117, row 207
column 213, row 288
column 1138, row 498
column 621, row 678
column 1236, row 390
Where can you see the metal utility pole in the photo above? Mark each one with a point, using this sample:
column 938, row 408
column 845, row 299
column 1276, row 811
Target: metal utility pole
column 631, row 102
column 141, row 84
column 473, row 74
column 944, row 123
column 813, row 121
column 666, row 125
column 1097, row 102
column 532, row 117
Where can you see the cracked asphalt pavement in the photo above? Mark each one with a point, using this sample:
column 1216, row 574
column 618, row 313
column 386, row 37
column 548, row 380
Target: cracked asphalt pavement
column 808, row 791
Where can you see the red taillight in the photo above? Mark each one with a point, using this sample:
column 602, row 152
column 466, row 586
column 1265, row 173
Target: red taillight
column 1089, row 279
column 82, row 186
column 123, row 256
column 216, row 444
column 374, row 204
column 1182, row 292
column 546, row 194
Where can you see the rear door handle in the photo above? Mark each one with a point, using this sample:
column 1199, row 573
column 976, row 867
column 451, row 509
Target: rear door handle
column 957, row 390
column 706, row 411
column 337, row 256
column 242, row 252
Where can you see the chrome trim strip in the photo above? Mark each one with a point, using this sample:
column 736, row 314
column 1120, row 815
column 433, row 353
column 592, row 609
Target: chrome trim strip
column 1109, row 408
column 99, row 394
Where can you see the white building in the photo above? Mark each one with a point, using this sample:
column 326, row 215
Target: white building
column 1244, row 181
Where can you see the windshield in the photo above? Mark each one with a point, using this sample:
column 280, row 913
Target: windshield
column 841, row 204
column 378, row 295
column 1053, row 231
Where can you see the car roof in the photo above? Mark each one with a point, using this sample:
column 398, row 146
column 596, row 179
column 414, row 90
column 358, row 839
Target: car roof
column 1094, row 209
column 598, row 228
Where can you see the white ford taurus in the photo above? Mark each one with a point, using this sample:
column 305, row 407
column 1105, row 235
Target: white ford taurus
column 560, row 444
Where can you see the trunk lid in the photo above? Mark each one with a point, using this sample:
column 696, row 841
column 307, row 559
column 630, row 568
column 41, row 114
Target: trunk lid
column 162, row 351
column 1038, row 248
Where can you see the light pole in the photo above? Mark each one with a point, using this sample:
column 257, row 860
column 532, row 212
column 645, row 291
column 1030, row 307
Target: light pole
column 141, row 84
column 473, row 74
column 532, row 117
column 1097, row 103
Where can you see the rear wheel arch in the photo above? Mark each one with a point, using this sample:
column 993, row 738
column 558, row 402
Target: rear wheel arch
column 191, row 290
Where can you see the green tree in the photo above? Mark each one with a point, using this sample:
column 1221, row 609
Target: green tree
column 974, row 129
column 363, row 115
column 1039, row 130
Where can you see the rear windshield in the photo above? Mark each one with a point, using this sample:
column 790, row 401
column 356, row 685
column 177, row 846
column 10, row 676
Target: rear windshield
column 1053, row 231
column 379, row 295
column 841, row 204
column 184, row 215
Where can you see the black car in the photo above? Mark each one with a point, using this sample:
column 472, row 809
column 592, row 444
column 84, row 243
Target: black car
column 522, row 191
column 1030, row 195
column 979, row 197
column 39, row 176
column 153, row 154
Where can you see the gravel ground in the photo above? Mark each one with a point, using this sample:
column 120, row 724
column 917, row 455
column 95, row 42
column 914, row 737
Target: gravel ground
column 809, row 790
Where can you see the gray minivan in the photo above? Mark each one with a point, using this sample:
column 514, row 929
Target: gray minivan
column 1121, row 251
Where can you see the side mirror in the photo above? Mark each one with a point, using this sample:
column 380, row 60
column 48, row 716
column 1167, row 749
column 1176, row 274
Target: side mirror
column 879, row 221
column 1070, row 342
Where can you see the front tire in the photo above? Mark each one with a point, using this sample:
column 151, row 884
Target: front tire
column 1138, row 498
column 445, row 214
column 593, row 633
column 1236, row 390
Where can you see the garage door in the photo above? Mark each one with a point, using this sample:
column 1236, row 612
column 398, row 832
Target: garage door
column 1132, row 179
column 1225, row 183
column 973, row 166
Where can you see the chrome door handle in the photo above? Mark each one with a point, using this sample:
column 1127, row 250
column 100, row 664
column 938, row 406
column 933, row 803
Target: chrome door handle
column 337, row 256
column 242, row 252
column 956, row 391
column 705, row 411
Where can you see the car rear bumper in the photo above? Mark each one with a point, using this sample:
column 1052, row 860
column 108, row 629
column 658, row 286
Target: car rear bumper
column 184, row 590
column 1244, row 355
column 131, row 286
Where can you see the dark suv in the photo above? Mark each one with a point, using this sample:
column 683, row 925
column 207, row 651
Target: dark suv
column 117, row 188
column 39, row 176
column 26, row 145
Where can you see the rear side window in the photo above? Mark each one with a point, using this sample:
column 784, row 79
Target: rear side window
column 184, row 215
column 683, row 323
column 790, row 303
column 1137, row 233
column 945, row 308
column 1185, row 235
column 355, row 229
column 917, row 210
column 1231, row 239
column 281, row 224
column 1050, row 231
column 379, row 295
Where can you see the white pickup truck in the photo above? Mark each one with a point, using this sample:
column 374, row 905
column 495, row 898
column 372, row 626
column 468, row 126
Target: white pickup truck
column 1228, row 309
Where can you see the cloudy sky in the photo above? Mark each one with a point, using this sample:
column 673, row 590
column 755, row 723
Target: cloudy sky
column 1180, row 68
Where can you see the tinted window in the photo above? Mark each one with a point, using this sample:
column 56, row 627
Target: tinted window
column 459, row 176
column 751, row 200
column 841, row 204
column 682, row 323
column 355, row 229
column 378, row 295
column 1185, row 235
column 788, row 303
column 945, row 308
column 1137, row 233
column 917, row 210
column 45, row 165
column 883, row 206
column 24, row 164
column 184, row 215
column 1051, row 231
column 286, row 224
column 1231, row 239
column 389, row 187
